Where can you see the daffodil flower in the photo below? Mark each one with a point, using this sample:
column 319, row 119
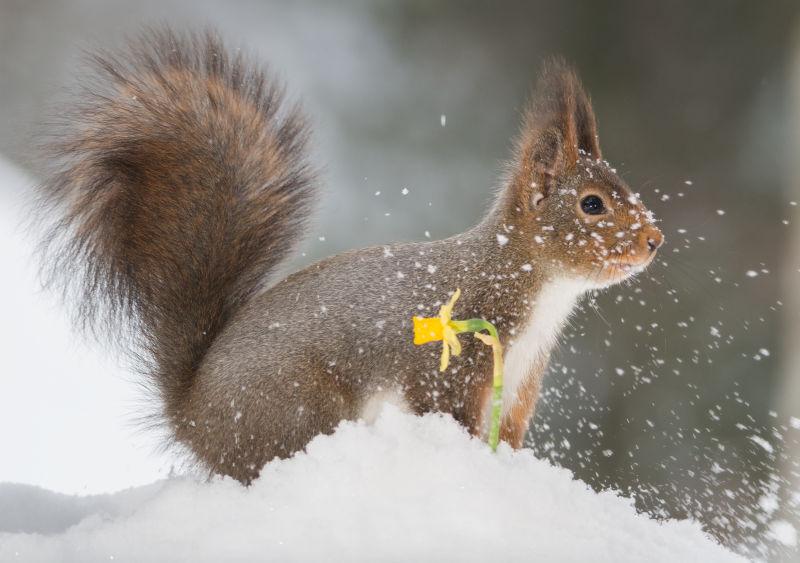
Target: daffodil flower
column 440, row 328
column 444, row 328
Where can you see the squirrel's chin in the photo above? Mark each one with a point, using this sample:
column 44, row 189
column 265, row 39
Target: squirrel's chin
column 616, row 272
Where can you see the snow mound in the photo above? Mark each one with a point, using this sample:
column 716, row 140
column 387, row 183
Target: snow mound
column 403, row 489
column 61, row 398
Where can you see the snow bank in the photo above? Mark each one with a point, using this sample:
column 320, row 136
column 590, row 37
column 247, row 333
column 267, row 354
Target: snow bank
column 63, row 403
column 403, row 489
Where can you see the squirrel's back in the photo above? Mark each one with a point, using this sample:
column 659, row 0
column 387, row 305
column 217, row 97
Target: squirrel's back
column 179, row 183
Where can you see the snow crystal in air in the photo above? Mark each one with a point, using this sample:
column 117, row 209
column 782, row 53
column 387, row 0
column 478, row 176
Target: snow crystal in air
column 783, row 532
column 762, row 442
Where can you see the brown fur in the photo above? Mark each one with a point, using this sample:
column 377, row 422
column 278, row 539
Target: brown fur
column 180, row 189
column 514, row 425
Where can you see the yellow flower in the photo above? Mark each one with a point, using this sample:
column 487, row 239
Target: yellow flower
column 427, row 330
column 431, row 329
column 444, row 328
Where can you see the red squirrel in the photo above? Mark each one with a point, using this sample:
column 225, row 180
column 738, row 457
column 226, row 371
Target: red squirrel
column 180, row 182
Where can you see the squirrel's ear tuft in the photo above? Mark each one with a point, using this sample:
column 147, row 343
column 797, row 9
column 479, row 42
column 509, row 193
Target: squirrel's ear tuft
column 586, row 125
column 560, row 101
column 558, row 126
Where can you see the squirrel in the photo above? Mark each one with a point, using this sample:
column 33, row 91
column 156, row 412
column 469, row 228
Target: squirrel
column 179, row 183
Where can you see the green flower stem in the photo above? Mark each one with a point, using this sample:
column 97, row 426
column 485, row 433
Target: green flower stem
column 477, row 325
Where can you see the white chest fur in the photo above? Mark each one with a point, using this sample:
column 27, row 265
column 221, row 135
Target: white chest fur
column 553, row 306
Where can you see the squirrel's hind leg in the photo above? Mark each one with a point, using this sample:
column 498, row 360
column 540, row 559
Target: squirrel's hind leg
column 516, row 420
column 235, row 433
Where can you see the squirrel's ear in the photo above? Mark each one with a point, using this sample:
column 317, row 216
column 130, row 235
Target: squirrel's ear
column 586, row 125
column 542, row 164
column 559, row 125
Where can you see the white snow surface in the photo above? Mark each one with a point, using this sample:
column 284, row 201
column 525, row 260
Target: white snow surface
column 405, row 488
column 67, row 410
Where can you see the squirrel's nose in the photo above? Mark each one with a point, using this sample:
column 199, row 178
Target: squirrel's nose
column 654, row 239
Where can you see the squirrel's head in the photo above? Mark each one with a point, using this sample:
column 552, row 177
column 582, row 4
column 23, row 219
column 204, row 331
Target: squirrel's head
column 564, row 206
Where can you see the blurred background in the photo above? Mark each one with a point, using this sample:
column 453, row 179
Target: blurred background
column 681, row 390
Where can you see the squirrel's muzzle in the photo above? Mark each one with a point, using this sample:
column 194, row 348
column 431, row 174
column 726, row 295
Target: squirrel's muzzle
column 651, row 238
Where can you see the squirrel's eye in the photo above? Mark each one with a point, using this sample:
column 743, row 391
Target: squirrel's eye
column 592, row 205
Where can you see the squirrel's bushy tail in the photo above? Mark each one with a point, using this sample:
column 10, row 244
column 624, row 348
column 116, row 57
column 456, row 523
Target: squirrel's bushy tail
column 180, row 182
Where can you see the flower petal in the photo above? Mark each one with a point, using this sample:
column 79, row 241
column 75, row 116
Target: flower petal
column 487, row 339
column 427, row 330
column 445, row 356
column 446, row 311
column 450, row 337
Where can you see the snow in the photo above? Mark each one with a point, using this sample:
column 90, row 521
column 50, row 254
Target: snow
column 763, row 443
column 67, row 411
column 405, row 488
column 783, row 532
